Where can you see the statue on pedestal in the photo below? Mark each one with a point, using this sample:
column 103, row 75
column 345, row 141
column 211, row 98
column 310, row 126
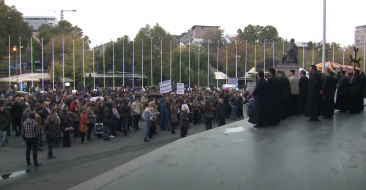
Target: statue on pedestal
column 290, row 57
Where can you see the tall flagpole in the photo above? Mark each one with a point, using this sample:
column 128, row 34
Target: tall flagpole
column 93, row 68
column 264, row 49
column 364, row 52
column 236, row 59
column 343, row 51
column 208, row 64
column 246, row 60
column 161, row 60
column 73, row 61
column 142, row 63
column 283, row 46
column 303, row 54
column 9, row 63
column 133, row 64
column 217, row 68
column 255, row 60
column 189, row 66
column 313, row 52
column 113, row 63
column 83, row 66
column 198, row 73
column 103, row 67
column 123, row 62
column 32, row 59
column 324, row 31
column 53, row 65
column 20, row 60
column 63, row 63
column 170, row 59
column 333, row 50
column 180, row 62
column 151, row 69
column 274, row 64
column 42, row 67
column 227, row 74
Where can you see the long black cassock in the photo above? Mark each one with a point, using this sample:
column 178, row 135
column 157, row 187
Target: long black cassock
column 260, row 103
column 303, row 87
column 313, row 99
column 285, row 93
column 273, row 112
column 354, row 95
column 329, row 88
column 342, row 94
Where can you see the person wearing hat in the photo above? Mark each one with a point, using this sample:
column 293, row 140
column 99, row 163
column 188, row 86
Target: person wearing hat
column 313, row 101
column 5, row 120
column 328, row 91
column 294, row 97
column 285, row 93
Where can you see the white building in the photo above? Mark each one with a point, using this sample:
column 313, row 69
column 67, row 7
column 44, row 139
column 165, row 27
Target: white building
column 36, row 21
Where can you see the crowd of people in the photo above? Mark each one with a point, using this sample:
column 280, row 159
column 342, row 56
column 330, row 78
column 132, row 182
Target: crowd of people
column 57, row 117
column 279, row 97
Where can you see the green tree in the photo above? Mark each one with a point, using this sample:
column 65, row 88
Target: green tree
column 11, row 23
column 259, row 33
column 58, row 72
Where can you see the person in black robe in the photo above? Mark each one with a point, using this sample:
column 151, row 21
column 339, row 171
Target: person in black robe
column 354, row 95
column 342, row 93
column 272, row 114
column 362, row 89
column 303, row 93
column 328, row 91
column 313, row 101
column 260, row 99
column 285, row 93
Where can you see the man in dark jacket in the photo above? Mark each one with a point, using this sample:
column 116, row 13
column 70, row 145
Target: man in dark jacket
column 220, row 112
column 5, row 120
column 303, row 91
column 260, row 95
column 329, row 88
column 125, row 113
column 313, row 101
column 285, row 93
column 17, row 110
column 107, row 121
column 30, row 133
column 272, row 114
column 342, row 93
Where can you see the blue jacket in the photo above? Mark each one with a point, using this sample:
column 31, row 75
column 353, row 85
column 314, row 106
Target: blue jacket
column 164, row 110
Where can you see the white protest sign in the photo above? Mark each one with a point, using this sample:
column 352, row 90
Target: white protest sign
column 180, row 88
column 165, row 86
column 232, row 81
column 250, row 86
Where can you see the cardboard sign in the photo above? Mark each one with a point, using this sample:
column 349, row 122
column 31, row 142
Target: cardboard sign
column 180, row 88
column 250, row 86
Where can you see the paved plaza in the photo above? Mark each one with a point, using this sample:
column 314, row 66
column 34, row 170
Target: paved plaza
column 296, row 155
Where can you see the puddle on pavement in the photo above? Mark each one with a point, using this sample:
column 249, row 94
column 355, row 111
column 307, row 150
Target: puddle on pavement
column 234, row 130
column 14, row 174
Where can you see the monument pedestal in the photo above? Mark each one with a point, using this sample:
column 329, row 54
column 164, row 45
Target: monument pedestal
column 286, row 68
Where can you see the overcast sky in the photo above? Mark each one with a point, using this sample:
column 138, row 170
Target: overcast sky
column 110, row 19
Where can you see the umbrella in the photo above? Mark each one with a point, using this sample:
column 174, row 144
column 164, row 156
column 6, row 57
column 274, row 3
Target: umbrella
column 226, row 88
column 155, row 95
column 22, row 93
column 330, row 66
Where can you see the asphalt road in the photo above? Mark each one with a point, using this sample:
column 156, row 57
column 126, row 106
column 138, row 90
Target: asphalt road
column 78, row 163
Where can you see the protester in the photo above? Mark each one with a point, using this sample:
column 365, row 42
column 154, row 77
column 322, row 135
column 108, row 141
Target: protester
column 136, row 110
column 184, row 124
column 285, row 92
column 294, row 97
column 52, row 133
column 260, row 97
column 91, row 119
column 147, row 117
column 207, row 109
column 220, row 112
column 342, row 93
column 83, row 125
column 65, row 127
column 328, row 91
column 107, row 122
column 5, row 120
column 174, row 116
column 313, row 101
column 30, row 133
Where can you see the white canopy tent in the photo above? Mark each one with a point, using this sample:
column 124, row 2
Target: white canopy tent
column 27, row 77
column 220, row 75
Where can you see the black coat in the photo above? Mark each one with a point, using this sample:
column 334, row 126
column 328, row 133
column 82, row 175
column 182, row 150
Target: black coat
column 313, row 99
column 354, row 95
column 260, row 102
column 342, row 94
column 220, row 111
column 17, row 110
column 273, row 90
column 284, row 85
column 329, row 88
column 303, row 93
